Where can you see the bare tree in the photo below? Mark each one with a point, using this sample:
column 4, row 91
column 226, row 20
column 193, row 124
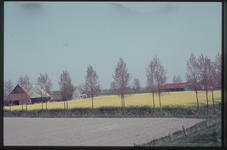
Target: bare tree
column 217, row 67
column 26, row 85
column 72, row 88
column 92, row 86
column 177, row 79
column 193, row 75
column 137, row 84
column 174, row 79
column 113, row 87
column 21, row 80
column 121, row 81
column 56, row 95
column 160, row 78
column 41, row 94
column 212, row 81
column 46, row 84
column 5, row 93
column 8, row 88
column 215, row 79
column 205, row 67
column 28, row 89
column 65, row 85
column 151, row 84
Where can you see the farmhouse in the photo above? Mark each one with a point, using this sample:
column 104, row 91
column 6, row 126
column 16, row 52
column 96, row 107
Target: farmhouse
column 177, row 87
column 27, row 94
column 77, row 94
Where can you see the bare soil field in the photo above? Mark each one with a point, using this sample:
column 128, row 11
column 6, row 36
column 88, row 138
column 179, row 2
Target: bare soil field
column 89, row 131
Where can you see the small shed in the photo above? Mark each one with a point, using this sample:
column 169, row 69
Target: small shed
column 177, row 87
column 27, row 94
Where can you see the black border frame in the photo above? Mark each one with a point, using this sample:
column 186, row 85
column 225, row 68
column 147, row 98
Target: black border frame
column 224, row 69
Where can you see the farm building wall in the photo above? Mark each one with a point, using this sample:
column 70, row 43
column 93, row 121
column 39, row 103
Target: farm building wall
column 26, row 100
column 188, row 88
column 175, row 89
column 19, row 96
column 18, row 99
column 40, row 100
column 77, row 94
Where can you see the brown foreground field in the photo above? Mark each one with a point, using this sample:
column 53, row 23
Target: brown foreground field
column 89, row 131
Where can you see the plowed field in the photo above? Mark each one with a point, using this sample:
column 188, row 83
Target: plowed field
column 89, row 131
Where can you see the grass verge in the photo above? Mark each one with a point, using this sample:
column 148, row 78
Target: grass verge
column 209, row 136
column 116, row 112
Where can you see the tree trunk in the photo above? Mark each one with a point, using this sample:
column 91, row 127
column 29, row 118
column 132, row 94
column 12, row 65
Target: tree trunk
column 213, row 99
column 42, row 106
column 92, row 105
column 22, row 105
column 46, row 105
column 160, row 102
column 26, row 103
column 67, row 107
column 153, row 102
column 207, row 102
column 122, row 102
column 197, row 100
column 64, row 105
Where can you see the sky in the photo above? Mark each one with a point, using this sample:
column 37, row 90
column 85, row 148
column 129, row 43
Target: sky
column 49, row 37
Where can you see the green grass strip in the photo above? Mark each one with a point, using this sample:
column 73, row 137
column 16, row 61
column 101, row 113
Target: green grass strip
column 206, row 137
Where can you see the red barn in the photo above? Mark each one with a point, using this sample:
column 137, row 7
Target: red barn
column 177, row 87
column 27, row 94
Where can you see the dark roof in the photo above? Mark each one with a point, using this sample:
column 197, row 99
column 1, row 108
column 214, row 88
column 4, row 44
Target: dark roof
column 175, row 85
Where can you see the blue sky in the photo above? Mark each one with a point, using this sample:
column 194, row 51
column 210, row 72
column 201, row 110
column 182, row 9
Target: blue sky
column 48, row 37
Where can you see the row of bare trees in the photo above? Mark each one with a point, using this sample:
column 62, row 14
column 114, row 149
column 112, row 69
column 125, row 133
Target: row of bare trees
column 156, row 78
column 120, row 85
column 204, row 74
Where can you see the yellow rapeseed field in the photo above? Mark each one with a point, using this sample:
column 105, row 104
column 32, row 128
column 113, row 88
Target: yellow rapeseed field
column 172, row 99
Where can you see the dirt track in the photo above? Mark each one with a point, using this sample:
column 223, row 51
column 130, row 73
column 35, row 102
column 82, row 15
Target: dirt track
column 89, row 131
